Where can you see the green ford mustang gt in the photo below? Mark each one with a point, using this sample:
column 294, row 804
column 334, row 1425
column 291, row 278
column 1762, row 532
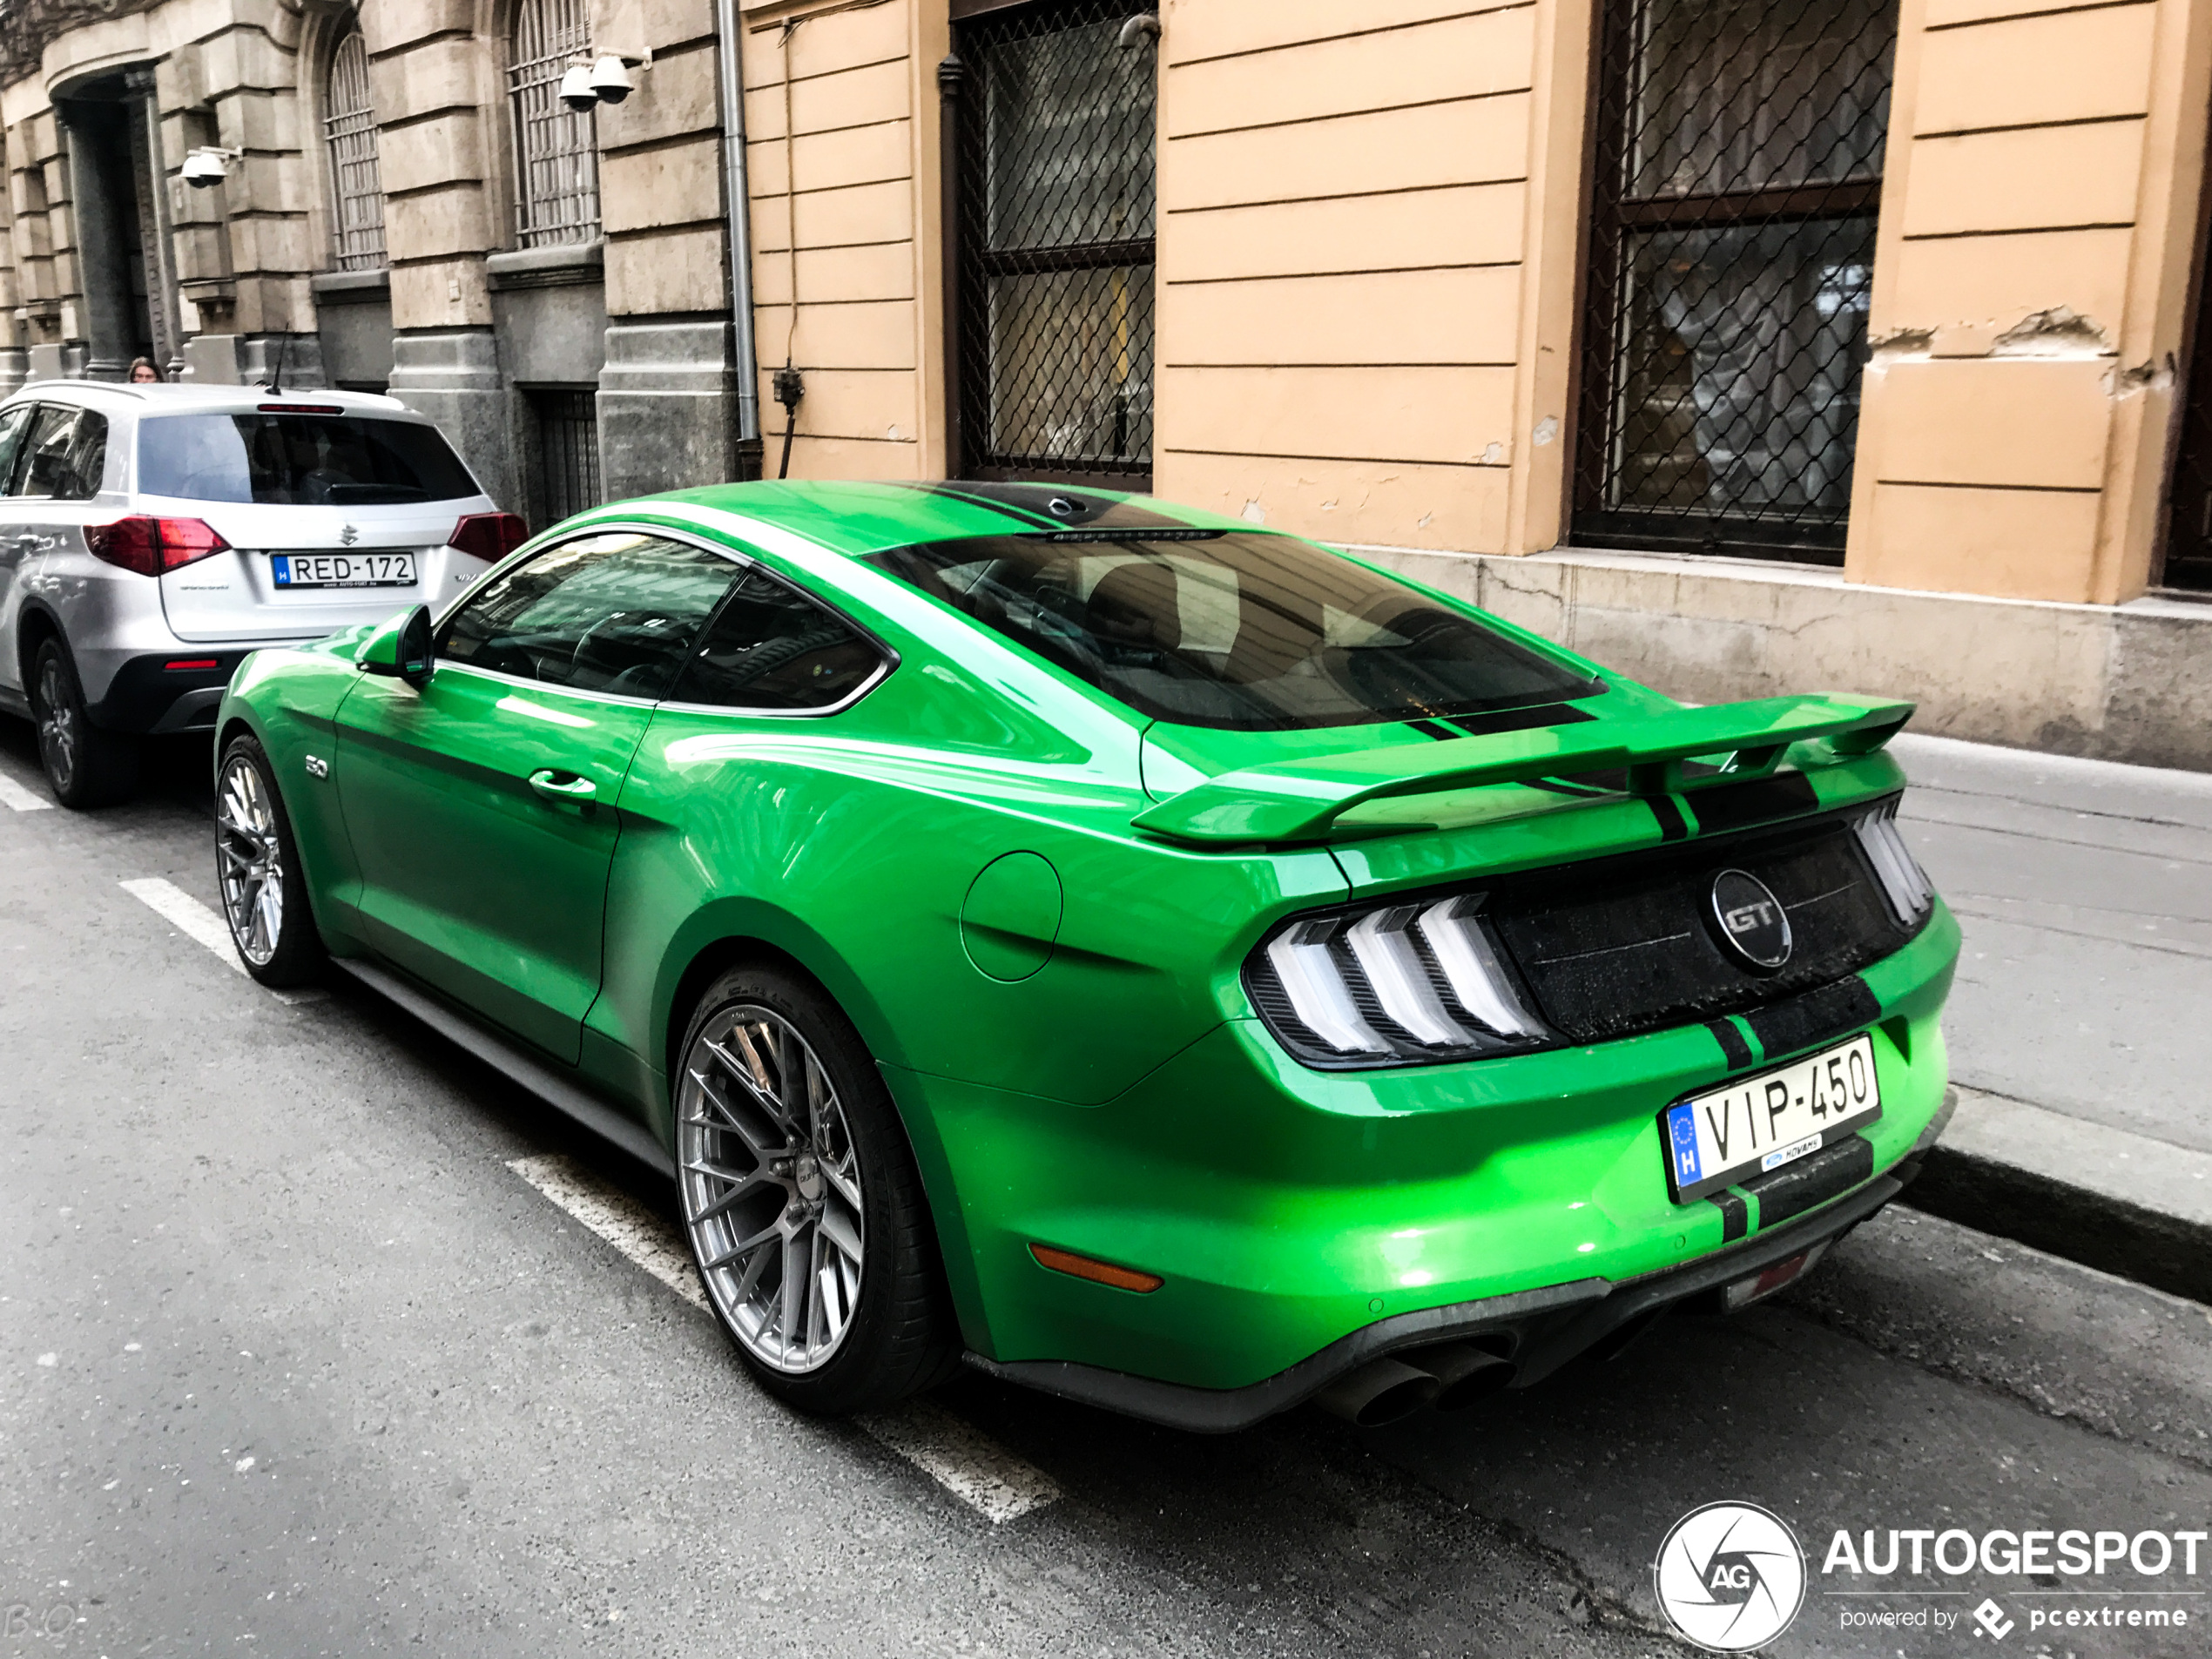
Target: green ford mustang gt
column 1152, row 959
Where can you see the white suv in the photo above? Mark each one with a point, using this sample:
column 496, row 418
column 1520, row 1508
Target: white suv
column 152, row 536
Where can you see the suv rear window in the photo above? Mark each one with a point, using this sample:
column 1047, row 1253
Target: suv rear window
column 1237, row 631
column 298, row 460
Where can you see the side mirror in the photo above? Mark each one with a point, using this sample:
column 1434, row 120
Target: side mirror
column 402, row 648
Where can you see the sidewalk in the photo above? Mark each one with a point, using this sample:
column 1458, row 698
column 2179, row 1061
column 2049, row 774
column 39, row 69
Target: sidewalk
column 2080, row 1025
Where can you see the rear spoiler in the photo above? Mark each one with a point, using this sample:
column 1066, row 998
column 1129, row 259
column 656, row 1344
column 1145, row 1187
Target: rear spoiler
column 1301, row 801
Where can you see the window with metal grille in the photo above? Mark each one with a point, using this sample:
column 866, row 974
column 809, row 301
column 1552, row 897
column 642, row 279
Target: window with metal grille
column 1738, row 170
column 556, row 154
column 1054, row 226
column 349, row 135
column 566, row 455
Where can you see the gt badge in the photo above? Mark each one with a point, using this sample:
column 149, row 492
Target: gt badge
column 1749, row 919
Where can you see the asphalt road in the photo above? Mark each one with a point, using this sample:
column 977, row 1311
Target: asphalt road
column 292, row 1361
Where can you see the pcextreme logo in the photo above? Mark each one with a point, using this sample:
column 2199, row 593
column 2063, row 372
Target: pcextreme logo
column 1730, row 1576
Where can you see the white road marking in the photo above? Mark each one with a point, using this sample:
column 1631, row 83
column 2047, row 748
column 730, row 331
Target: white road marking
column 187, row 915
column 967, row 1463
column 15, row 795
column 632, row 1228
column 196, row 921
column 976, row 1470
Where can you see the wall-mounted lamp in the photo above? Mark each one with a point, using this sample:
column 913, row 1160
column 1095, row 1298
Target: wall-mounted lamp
column 208, row 165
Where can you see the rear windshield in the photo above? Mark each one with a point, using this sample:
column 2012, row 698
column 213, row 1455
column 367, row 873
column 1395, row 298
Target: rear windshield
column 1239, row 631
column 298, row 460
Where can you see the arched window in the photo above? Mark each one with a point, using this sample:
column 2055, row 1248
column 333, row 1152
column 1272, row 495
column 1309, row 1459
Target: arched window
column 557, row 157
column 349, row 133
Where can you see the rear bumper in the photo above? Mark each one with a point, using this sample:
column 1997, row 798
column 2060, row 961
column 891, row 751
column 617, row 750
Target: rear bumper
column 166, row 691
column 1293, row 1214
column 1535, row 1332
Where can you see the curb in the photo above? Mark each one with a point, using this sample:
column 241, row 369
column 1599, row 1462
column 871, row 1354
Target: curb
column 2107, row 1199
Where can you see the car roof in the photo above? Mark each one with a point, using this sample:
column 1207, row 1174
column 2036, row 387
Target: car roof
column 197, row 399
column 860, row 517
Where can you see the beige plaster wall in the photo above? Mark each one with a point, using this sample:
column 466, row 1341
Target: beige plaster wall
column 2031, row 282
column 841, row 127
column 1365, row 249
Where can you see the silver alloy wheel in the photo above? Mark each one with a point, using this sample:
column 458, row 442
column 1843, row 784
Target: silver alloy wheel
column 770, row 1186
column 58, row 738
column 249, row 860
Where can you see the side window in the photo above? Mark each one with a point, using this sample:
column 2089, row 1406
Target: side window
column 13, row 424
column 64, row 455
column 615, row 613
column 772, row 647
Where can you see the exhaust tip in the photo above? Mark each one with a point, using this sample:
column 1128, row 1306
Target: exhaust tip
column 1465, row 1373
column 1380, row 1391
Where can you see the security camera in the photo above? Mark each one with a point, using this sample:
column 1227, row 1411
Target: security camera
column 576, row 90
column 610, row 80
column 207, row 166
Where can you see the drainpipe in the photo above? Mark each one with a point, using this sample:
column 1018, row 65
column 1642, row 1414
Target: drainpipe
column 736, row 192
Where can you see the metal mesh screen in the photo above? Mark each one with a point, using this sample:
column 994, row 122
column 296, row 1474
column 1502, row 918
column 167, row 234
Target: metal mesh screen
column 556, row 155
column 567, row 454
column 1738, row 170
column 2188, row 508
column 1055, row 220
column 349, row 133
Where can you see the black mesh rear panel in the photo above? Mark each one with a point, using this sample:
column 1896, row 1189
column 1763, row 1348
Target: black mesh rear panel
column 1623, row 946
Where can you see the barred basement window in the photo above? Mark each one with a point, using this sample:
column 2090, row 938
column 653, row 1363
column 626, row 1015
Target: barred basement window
column 349, row 135
column 556, row 155
column 1738, row 169
column 566, row 454
column 1055, row 231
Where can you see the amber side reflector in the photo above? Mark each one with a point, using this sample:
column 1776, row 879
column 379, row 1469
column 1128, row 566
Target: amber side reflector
column 1121, row 1279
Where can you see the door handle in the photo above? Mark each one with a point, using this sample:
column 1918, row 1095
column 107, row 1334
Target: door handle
column 563, row 785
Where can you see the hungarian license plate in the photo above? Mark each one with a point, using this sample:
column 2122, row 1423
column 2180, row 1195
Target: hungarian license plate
column 1763, row 1123
column 343, row 569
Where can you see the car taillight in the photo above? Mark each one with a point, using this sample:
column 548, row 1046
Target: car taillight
column 490, row 536
column 1389, row 984
column 1904, row 883
column 150, row 545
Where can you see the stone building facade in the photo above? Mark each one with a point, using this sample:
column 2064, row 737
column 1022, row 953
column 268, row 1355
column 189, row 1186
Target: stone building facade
column 1847, row 342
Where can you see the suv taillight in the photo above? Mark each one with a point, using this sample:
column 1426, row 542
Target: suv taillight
column 150, row 545
column 488, row 536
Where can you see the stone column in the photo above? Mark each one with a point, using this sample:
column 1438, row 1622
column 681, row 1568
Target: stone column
column 150, row 173
column 99, row 249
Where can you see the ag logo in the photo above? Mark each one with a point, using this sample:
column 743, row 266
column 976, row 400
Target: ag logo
column 1750, row 919
column 1729, row 1577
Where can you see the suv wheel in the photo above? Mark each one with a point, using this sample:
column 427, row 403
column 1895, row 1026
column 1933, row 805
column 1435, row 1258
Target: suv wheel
column 802, row 1203
column 265, row 890
column 87, row 765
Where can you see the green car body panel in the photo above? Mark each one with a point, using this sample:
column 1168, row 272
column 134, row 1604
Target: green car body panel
column 1036, row 905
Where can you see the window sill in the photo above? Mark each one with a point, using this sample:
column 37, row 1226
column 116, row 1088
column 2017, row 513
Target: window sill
column 555, row 266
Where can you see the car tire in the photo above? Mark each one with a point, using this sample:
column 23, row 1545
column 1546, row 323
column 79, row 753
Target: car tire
column 800, row 1198
column 86, row 765
column 257, row 870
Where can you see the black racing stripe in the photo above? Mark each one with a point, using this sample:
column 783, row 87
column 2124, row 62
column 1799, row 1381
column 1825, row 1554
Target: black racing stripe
column 1078, row 508
column 1431, row 729
column 1673, row 826
column 1834, row 1010
column 1736, row 1215
column 1722, row 807
column 1796, row 1187
column 1737, row 1052
column 1483, row 726
column 968, row 497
